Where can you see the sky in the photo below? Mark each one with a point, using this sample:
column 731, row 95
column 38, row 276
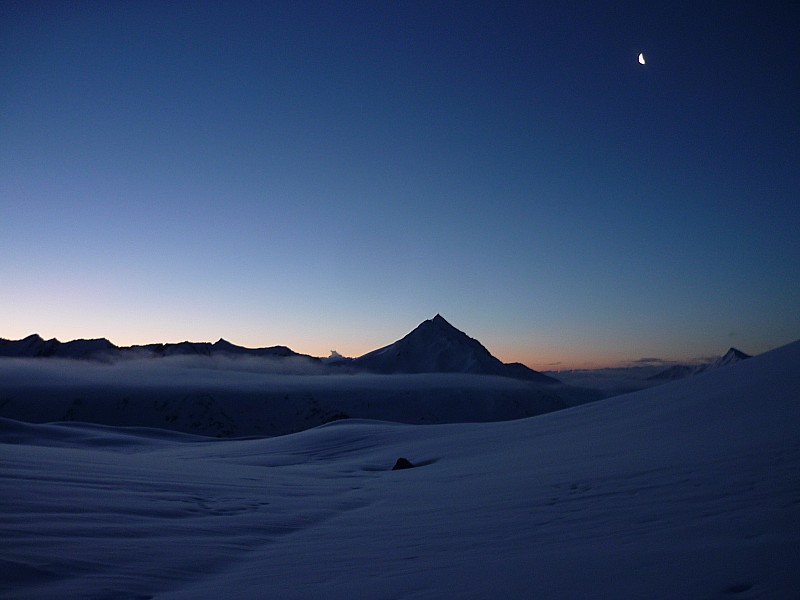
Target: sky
column 327, row 175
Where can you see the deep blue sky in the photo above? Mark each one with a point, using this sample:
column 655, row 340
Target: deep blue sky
column 327, row 175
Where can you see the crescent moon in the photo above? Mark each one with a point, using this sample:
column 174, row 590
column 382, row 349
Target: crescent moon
column 641, row 59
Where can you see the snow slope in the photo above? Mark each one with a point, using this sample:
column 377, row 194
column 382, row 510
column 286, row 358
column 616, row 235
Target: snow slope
column 686, row 490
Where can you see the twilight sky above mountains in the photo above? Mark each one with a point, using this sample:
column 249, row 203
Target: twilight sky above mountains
column 326, row 175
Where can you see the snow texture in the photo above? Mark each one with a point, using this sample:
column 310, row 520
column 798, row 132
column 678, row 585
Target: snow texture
column 686, row 490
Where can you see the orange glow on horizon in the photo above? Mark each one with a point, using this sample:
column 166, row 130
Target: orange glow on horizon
column 560, row 358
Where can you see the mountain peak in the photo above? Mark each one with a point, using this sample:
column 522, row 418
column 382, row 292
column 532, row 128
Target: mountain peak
column 731, row 356
column 439, row 323
column 435, row 346
column 680, row 371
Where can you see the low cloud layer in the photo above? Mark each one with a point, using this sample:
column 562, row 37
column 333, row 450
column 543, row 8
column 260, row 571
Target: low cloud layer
column 255, row 396
column 172, row 371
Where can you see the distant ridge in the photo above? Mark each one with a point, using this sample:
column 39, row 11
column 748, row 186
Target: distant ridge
column 34, row 346
column 680, row 371
column 435, row 346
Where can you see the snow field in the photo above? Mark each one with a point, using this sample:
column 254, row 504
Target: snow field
column 688, row 490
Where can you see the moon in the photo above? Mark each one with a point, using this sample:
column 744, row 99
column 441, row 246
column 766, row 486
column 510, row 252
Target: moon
column 641, row 59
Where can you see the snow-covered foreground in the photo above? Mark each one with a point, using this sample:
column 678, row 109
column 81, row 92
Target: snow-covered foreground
column 687, row 490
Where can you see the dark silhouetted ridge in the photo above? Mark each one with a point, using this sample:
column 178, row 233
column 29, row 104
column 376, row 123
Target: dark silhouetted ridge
column 34, row 346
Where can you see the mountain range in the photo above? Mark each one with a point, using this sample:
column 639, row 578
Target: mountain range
column 34, row 346
column 435, row 346
column 435, row 374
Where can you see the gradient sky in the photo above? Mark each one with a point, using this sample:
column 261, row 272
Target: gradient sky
column 326, row 175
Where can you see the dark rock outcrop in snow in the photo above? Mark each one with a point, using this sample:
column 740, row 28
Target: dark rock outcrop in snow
column 402, row 463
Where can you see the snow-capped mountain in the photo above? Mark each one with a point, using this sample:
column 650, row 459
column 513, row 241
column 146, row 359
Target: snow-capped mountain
column 680, row 371
column 435, row 346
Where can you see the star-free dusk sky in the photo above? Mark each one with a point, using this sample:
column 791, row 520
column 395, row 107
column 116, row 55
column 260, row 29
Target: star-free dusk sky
column 326, row 175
